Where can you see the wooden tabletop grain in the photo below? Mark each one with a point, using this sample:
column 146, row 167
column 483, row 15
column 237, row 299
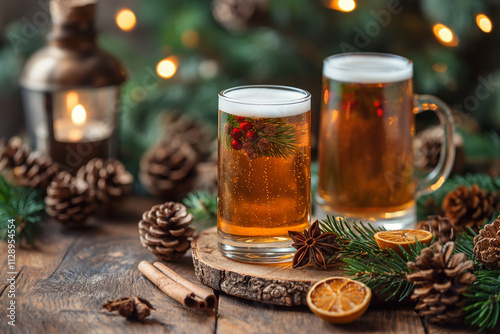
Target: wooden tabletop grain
column 62, row 281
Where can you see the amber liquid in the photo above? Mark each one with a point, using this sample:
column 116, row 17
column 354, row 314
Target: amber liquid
column 366, row 148
column 263, row 198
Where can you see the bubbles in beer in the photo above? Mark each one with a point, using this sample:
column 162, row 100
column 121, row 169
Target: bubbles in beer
column 262, row 194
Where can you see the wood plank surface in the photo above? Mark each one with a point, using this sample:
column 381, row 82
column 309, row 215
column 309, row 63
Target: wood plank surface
column 244, row 316
column 84, row 268
column 65, row 278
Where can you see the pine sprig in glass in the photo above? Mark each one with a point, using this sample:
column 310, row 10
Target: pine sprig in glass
column 282, row 141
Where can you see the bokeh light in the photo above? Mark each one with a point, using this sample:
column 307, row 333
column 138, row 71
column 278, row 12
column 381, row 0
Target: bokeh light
column 440, row 67
column 190, row 38
column 484, row 23
column 125, row 19
column 167, row 67
column 445, row 35
column 341, row 5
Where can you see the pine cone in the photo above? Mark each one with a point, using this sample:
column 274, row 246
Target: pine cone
column 69, row 200
column 239, row 15
column 167, row 169
column 206, row 176
column 487, row 245
column 440, row 280
column 469, row 206
column 13, row 154
column 110, row 180
column 37, row 171
column 440, row 227
column 428, row 145
column 186, row 129
column 164, row 230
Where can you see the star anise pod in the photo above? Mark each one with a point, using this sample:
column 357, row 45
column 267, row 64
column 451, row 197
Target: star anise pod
column 313, row 246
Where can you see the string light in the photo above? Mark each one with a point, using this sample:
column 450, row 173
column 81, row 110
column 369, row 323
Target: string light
column 167, row 67
column 445, row 35
column 208, row 69
column 341, row 5
column 484, row 23
column 125, row 19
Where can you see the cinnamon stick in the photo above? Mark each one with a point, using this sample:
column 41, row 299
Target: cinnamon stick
column 207, row 296
column 173, row 289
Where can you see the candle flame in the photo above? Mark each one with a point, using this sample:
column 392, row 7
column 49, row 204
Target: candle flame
column 125, row 19
column 484, row 23
column 78, row 115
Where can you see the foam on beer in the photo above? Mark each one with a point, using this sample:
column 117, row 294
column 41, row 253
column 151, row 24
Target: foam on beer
column 264, row 102
column 370, row 68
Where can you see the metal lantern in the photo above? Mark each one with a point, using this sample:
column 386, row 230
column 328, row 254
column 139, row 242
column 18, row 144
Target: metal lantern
column 71, row 89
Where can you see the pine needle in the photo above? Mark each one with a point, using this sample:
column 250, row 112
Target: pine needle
column 202, row 205
column 480, row 147
column 282, row 145
column 385, row 272
column 483, row 301
column 25, row 206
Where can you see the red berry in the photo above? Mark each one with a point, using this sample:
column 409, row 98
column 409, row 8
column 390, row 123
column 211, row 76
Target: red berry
column 245, row 126
column 236, row 134
column 252, row 136
column 239, row 119
column 236, row 144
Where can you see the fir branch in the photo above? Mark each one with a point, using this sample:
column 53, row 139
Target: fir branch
column 483, row 300
column 480, row 147
column 465, row 243
column 25, row 206
column 386, row 272
column 355, row 238
column 382, row 271
column 203, row 206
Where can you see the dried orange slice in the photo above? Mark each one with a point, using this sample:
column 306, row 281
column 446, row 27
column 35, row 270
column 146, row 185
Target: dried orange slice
column 339, row 300
column 404, row 238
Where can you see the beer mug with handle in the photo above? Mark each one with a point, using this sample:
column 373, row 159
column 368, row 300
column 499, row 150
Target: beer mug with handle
column 366, row 154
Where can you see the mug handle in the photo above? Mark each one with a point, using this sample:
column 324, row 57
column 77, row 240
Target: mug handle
column 436, row 178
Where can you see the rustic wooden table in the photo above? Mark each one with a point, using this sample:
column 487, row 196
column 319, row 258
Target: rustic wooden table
column 64, row 279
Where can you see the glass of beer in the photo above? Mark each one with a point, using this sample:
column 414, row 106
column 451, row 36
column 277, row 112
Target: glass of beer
column 366, row 155
column 264, row 171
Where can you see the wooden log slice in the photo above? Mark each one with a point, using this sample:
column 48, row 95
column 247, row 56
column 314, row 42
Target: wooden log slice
column 275, row 284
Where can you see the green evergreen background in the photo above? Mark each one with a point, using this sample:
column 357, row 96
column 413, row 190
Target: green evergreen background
column 284, row 42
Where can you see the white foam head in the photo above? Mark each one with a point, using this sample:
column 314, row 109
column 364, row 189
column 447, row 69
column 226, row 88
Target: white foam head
column 367, row 68
column 264, row 101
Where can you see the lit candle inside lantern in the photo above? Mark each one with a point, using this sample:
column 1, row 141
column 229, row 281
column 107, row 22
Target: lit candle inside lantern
column 71, row 88
column 78, row 128
column 77, row 137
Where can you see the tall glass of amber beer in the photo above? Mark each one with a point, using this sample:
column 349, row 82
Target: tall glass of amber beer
column 264, row 171
column 366, row 157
